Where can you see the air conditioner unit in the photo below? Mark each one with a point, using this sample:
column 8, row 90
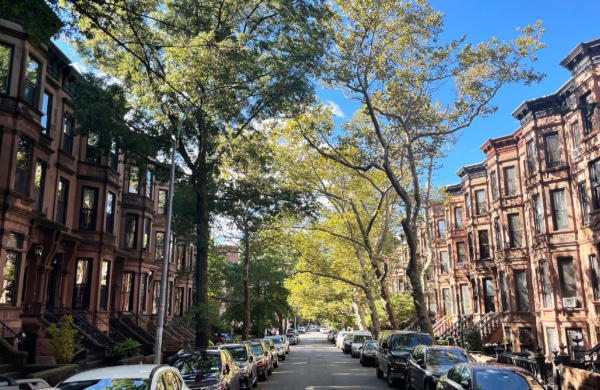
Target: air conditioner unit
column 575, row 152
column 570, row 302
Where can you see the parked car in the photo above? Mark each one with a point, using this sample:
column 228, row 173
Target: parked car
column 339, row 338
column 367, row 353
column 273, row 350
column 429, row 362
column 262, row 355
column 394, row 348
column 280, row 344
column 324, row 330
column 9, row 383
column 293, row 339
column 134, row 377
column 207, row 368
column 301, row 329
column 347, row 343
column 488, row 376
column 358, row 338
column 244, row 358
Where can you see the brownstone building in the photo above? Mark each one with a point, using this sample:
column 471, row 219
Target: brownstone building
column 528, row 221
column 80, row 233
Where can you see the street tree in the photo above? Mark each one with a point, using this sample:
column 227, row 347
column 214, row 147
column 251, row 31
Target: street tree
column 204, row 73
column 417, row 95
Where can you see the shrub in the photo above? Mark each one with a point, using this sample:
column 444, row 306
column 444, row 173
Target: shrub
column 472, row 339
column 128, row 348
column 62, row 340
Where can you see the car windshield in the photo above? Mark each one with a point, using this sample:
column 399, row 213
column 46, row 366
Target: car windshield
column 493, row 379
column 438, row 357
column 408, row 342
column 108, row 384
column 198, row 364
column 360, row 338
column 239, row 353
column 370, row 345
column 257, row 349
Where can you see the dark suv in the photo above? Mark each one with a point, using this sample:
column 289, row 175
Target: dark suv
column 244, row 358
column 394, row 348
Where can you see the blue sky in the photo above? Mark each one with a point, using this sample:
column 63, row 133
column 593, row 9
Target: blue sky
column 566, row 24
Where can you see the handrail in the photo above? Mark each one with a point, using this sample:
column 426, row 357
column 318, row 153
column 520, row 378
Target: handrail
column 488, row 323
column 113, row 333
column 454, row 329
column 531, row 365
column 91, row 330
column 17, row 335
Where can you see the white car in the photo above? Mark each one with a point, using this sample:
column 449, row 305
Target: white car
column 132, row 377
column 324, row 330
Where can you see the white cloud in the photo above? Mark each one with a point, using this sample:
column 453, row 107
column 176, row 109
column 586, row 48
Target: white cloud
column 336, row 109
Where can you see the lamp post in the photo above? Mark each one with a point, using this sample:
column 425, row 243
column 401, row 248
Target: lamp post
column 166, row 258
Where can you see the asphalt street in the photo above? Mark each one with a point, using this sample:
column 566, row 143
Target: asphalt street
column 316, row 364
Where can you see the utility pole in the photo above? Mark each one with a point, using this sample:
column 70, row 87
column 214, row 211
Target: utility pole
column 165, row 265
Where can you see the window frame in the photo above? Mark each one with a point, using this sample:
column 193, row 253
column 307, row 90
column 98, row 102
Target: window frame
column 23, row 164
column 480, row 202
column 538, row 213
column 545, row 284
column 515, row 230
column 458, row 219
column 82, row 283
column 88, row 213
column 31, row 89
column 62, row 200
column 5, row 86
column 46, row 119
column 163, row 198
column 39, row 185
column 104, row 285
column 484, row 245
column 560, row 216
column 523, row 300
column 510, row 181
column 131, row 229
column 530, row 151
column 552, row 150
column 111, row 199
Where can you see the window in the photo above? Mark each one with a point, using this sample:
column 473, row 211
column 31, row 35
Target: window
column 595, row 277
column 162, row 201
column 5, row 63
column 134, row 180
column 92, row 151
column 143, row 291
column 458, row 220
column 465, row 299
column 23, row 167
column 568, row 279
column 104, row 283
column 441, row 229
column 576, row 132
column 584, row 202
column 552, row 150
column 89, row 208
column 81, row 290
column 31, row 81
column 575, row 343
column 514, row 230
column 559, row 210
column 484, row 244
column 481, row 204
column 461, row 254
column 126, row 291
column 446, row 301
column 498, row 234
column 538, row 214
column 180, row 256
column 587, row 113
column 475, row 296
column 545, row 284
column 494, row 185
column 147, row 228
column 170, row 299
column 471, row 247
column 159, row 246
column 113, row 156
column 131, row 221
column 38, row 186
column 68, row 127
column 503, row 291
column 444, row 262
column 595, row 179
column 156, row 297
column 510, row 181
column 468, row 205
column 531, row 157
column 522, row 294
column 110, row 212
column 62, row 200
column 9, row 277
column 488, row 288
column 149, row 184
column 46, row 121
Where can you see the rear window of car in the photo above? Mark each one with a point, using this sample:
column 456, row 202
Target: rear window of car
column 198, row 363
column 361, row 338
column 239, row 353
column 408, row 342
column 257, row 349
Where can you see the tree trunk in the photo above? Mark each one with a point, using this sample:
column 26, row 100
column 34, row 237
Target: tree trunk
column 246, row 319
column 202, row 240
column 414, row 275
column 360, row 315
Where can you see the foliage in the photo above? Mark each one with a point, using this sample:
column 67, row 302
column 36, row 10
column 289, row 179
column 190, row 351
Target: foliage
column 62, row 340
column 39, row 20
column 472, row 338
column 405, row 307
column 128, row 348
column 441, row 342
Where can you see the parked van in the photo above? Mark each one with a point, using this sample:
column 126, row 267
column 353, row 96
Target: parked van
column 394, row 348
column 358, row 338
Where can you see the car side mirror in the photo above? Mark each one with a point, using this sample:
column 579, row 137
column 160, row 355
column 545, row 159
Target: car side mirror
column 466, row 384
column 421, row 363
column 227, row 368
column 251, row 359
column 384, row 345
column 266, row 353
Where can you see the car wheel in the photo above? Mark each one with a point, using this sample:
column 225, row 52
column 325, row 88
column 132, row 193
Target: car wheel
column 283, row 358
column 378, row 371
column 391, row 382
column 429, row 385
column 255, row 382
column 265, row 375
column 276, row 363
column 361, row 362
